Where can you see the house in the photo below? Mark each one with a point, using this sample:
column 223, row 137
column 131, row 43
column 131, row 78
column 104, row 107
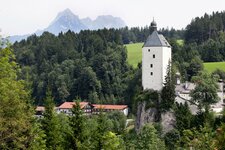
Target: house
column 67, row 106
column 183, row 91
column 108, row 108
column 87, row 108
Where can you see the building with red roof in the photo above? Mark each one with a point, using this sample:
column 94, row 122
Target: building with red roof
column 67, row 106
column 87, row 107
column 107, row 108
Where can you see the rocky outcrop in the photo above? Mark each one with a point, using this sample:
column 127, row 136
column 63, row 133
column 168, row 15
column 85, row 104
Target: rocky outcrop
column 152, row 115
column 168, row 121
column 144, row 115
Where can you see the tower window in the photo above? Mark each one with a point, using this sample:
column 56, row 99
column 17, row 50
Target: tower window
column 151, row 73
column 153, row 56
column 151, row 65
column 149, row 50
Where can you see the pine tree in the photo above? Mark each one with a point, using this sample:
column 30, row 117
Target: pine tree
column 103, row 126
column 183, row 116
column 168, row 91
column 50, row 125
column 77, row 124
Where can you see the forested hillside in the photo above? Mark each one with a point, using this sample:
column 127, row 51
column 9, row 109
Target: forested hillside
column 203, row 28
column 90, row 65
column 207, row 32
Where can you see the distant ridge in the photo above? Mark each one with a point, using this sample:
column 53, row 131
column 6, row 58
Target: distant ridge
column 67, row 20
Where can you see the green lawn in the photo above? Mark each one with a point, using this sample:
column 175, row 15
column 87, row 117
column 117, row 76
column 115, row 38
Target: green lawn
column 134, row 53
column 212, row 66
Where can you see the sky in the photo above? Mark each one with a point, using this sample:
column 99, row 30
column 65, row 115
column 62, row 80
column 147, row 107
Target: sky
column 18, row 17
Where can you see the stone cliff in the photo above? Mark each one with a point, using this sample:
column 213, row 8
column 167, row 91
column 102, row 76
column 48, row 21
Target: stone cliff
column 153, row 115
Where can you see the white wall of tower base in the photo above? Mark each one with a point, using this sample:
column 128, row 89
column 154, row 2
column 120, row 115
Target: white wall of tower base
column 154, row 69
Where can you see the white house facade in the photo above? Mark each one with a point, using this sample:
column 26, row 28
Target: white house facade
column 156, row 56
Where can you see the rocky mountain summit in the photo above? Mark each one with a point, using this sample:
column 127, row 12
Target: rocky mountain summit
column 67, row 20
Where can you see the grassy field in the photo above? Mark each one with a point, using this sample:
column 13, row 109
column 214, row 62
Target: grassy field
column 134, row 53
column 212, row 66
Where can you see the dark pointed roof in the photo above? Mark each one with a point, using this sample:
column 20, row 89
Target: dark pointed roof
column 156, row 40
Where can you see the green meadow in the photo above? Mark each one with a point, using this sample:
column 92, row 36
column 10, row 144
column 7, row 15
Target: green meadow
column 134, row 53
column 212, row 66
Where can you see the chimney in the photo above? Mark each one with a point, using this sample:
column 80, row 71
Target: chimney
column 178, row 78
column 186, row 85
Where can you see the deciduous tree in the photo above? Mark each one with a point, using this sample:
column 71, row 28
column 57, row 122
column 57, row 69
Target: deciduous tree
column 205, row 92
column 15, row 108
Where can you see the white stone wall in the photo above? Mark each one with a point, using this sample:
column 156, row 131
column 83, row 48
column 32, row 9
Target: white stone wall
column 160, row 63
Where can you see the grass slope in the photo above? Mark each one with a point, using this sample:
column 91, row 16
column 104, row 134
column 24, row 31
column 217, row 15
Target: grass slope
column 134, row 53
column 212, row 66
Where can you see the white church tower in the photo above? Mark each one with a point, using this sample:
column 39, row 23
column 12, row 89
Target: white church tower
column 156, row 55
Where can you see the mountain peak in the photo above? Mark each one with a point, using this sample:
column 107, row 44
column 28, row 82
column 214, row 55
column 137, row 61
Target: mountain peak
column 66, row 12
column 67, row 20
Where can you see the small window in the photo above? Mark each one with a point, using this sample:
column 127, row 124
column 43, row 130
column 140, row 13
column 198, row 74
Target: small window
column 151, row 65
column 149, row 50
column 151, row 73
column 153, row 56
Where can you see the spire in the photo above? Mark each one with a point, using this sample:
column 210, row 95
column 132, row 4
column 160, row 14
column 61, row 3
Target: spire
column 154, row 25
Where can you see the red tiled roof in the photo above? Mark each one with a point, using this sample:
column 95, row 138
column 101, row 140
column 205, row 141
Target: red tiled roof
column 114, row 107
column 69, row 105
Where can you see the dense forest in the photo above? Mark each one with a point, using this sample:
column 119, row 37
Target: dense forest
column 90, row 65
column 206, row 27
column 207, row 34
